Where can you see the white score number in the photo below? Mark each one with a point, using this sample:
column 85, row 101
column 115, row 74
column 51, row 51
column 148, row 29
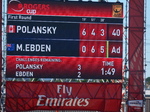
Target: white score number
column 93, row 32
column 84, row 32
column 93, row 50
column 79, row 72
column 103, row 32
column 116, row 32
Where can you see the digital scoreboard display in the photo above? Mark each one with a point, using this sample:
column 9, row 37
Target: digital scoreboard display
column 47, row 39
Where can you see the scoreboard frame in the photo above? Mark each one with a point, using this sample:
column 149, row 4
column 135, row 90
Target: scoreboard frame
column 76, row 39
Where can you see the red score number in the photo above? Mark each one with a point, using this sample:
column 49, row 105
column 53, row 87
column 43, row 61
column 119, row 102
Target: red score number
column 115, row 32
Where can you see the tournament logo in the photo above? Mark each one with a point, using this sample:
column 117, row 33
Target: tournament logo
column 14, row 5
column 117, row 10
column 26, row 8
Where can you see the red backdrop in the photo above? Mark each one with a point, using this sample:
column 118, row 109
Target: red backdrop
column 136, row 42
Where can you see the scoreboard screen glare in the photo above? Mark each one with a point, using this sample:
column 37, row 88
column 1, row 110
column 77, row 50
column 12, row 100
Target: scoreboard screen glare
column 53, row 39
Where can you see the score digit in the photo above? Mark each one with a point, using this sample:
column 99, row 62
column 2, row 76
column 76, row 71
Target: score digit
column 102, row 32
column 84, row 49
column 79, row 67
column 93, row 32
column 102, row 49
column 84, row 32
column 93, row 49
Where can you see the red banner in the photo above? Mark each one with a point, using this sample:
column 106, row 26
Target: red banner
column 44, row 7
column 136, row 62
column 25, row 96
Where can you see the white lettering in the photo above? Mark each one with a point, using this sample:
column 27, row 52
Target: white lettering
column 40, row 99
column 31, row 11
column 24, row 74
column 29, row 66
column 108, row 63
column 115, row 50
column 19, row 47
column 18, row 28
column 64, row 89
column 43, row 101
column 33, row 47
column 37, row 29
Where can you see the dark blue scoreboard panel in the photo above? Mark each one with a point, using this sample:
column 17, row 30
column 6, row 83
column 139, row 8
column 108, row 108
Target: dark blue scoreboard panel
column 64, row 40
column 43, row 39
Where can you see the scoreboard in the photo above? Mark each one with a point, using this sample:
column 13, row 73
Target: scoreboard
column 51, row 39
